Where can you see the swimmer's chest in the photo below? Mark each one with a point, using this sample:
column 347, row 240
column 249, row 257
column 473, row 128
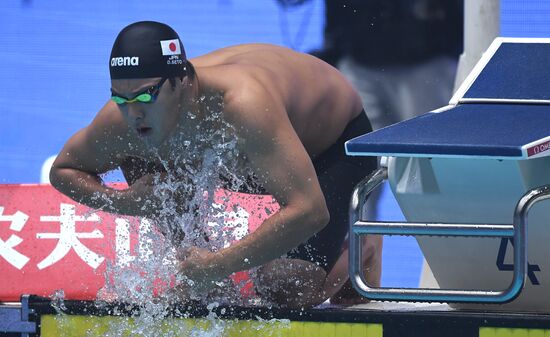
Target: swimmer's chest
column 232, row 169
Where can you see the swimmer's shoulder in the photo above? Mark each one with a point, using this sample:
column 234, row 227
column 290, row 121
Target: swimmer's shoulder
column 280, row 69
column 99, row 146
column 109, row 121
column 252, row 108
column 110, row 128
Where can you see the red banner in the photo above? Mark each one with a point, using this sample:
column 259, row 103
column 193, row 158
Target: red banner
column 48, row 242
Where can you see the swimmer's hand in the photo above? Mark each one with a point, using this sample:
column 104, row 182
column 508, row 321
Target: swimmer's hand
column 143, row 193
column 198, row 269
column 155, row 193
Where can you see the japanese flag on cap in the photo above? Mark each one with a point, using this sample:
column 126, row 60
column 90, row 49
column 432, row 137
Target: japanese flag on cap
column 170, row 47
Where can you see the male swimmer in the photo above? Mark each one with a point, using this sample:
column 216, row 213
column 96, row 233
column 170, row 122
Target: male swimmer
column 288, row 115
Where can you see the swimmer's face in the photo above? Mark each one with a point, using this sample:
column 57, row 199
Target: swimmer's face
column 152, row 121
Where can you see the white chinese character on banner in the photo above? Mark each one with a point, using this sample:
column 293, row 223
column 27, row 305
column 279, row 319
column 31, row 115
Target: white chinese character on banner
column 234, row 225
column 69, row 238
column 123, row 254
column 7, row 251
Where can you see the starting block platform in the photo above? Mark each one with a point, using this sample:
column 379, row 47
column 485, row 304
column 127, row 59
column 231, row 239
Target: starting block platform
column 474, row 130
column 499, row 112
column 475, row 174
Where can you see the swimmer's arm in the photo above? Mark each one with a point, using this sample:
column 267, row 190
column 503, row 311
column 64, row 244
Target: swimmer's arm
column 134, row 168
column 286, row 171
column 76, row 173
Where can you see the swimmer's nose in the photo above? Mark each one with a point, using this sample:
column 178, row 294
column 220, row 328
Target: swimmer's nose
column 135, row 111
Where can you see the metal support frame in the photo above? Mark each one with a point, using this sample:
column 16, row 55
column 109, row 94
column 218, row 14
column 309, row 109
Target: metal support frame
column 14, row 318
column 517, row 232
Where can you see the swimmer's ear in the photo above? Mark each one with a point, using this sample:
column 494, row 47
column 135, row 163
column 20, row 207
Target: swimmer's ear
column 172, row 81
column 190, row 73
column 186, row 81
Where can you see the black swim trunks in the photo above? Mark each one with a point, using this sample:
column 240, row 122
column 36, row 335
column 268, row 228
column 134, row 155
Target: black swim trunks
column 338, row 175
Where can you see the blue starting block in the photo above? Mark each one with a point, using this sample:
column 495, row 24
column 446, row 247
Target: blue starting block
column 473, row 172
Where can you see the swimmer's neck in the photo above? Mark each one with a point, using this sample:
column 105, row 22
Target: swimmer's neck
column 194, row 132
column 200, row 113
column 208, row 83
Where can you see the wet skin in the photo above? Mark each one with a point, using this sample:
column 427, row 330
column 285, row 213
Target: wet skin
column 283, row 107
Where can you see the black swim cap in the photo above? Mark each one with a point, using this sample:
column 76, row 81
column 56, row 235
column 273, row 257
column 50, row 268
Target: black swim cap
column 147, row 49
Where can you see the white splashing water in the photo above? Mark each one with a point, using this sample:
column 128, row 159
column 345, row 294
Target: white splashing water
column 186, row 191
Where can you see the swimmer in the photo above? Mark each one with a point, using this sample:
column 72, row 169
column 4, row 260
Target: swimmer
column 289, row 114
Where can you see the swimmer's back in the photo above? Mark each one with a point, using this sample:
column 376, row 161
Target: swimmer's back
column 318, row 99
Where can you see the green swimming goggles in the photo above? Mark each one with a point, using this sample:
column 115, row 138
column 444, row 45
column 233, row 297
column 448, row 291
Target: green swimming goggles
column 147, row 96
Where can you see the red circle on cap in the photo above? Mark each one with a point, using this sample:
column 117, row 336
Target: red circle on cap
column 172, row 46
